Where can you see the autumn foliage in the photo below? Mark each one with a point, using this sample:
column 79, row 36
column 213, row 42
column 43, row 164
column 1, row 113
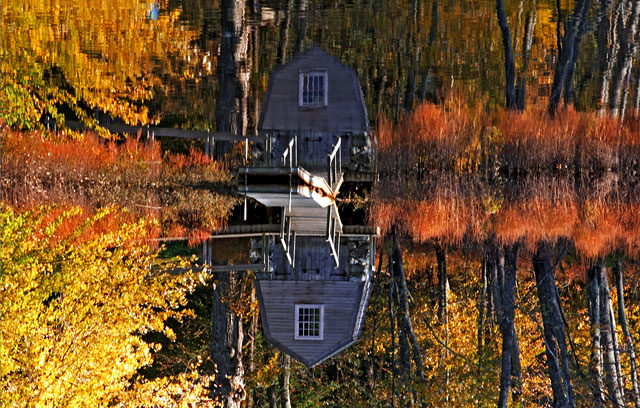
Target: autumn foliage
column 451, row 174
column 187, row 193
column 459, row 138
column 78, row 293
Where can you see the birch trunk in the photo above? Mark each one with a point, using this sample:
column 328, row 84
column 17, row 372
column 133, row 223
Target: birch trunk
column 285, row 370
column 403, row 304
column 622, row 317
column 554, row 335
column 481, row 305
column 226, row 345
column 568, row 54
column 611, row 355
column 625, row 55
column 595, row 366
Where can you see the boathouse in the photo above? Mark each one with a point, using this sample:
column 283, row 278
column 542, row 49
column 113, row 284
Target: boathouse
column 313, row 273
column 318, row 99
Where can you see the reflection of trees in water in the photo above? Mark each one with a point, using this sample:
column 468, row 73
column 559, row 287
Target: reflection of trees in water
column 513, row 176
column 599, row 217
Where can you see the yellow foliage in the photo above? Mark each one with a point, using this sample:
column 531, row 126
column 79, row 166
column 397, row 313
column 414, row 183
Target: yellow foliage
column 60, row 51
column 75, row 299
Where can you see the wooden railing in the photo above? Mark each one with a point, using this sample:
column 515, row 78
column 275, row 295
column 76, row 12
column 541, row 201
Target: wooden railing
column 288, row 239
column 335, row 163
column 291, row 153
column 333, row 236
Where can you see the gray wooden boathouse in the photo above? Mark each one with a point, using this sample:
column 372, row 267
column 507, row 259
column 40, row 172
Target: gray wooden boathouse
column 314, row 280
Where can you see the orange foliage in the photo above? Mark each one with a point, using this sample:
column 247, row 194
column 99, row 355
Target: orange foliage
column 596, row 228
column 535, row 220
column 40, row 168
column 461, row 138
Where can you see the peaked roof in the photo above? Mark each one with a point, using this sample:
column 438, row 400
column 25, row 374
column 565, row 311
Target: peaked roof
column 309, row 54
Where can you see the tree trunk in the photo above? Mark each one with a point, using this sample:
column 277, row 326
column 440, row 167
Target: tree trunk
column 285, row 370
column 636, row 101
column 527, row 41
column 443, row 285
column 273, row 400
column 233, row 80
column 509, row 65
column 392, row 323
column 568, row 55
column 608, row 42
column 403, row 296
column 301, row 25
column 481, row 305
column 234, row 69
column 510, row 281
column 433, row 29
column 443, row 309
column 284, row 33
column 622, row 318
column 611, row 354
column 253, row 330
column 501, row 292
column 624, row 58
column 226, row 344
column 502, row 266
column 554, row 335
column 595, row 366
column 559, row 28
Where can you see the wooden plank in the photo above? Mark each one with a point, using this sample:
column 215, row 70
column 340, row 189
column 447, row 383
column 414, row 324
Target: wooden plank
column 239, row 267
column 168, row 132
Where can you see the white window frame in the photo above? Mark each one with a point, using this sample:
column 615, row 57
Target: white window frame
column 301, row 77
column 296, row 328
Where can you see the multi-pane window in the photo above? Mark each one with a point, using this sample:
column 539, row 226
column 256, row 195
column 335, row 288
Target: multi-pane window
column 309, row 322
column 313, row 89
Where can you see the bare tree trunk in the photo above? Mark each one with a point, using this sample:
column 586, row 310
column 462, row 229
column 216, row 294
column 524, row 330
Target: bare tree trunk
column 510, row 281
column 593, row 300
column 284, row 33
column 481, row 305
column 226, row 344
column 253, row 329
column 301, row 25
column 568, row 55
column 608, row 43
column 554, row 335
column 559, row 28
column 233, row 79
column 271, row 392
column 392, row 322
column 372, row 372
column 285, row 370
column 234, row 69
column 502, row 266
column 636, row 101
column 509, row 65
column 403, row 296
column 443, row 285
column 622, row 318
column 609, row 341
column 380, row 88
column 443, row 307
column 527, row 41
column 500, row 291
column 625, row 55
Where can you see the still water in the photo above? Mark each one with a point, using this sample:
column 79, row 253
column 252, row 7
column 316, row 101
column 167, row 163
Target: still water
column 163, row 56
